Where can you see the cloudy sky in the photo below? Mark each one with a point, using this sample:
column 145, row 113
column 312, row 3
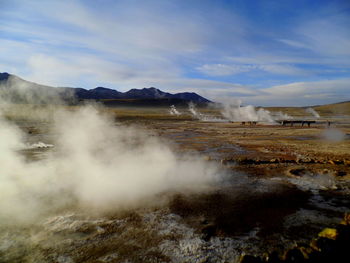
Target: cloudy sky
column 290, row 52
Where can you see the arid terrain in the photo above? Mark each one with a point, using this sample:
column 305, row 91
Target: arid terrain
column 280, row 187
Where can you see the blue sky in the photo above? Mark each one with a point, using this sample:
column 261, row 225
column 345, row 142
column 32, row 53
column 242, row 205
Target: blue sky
column 286, row 52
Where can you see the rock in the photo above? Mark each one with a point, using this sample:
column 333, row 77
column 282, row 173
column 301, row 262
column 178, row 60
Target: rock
column 330, row 233
column 331, row 245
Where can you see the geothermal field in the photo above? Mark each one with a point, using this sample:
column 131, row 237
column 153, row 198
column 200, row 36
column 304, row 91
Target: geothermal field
column 182, row 131
column 221, row 183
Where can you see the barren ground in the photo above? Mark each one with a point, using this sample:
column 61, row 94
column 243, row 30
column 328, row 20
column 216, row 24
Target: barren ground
column 285, row 185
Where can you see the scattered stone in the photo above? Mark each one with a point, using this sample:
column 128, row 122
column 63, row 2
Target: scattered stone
column 331, row 245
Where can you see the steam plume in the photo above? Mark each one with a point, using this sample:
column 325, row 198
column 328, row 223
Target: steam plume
column 333, row 135
column 246, row 113
column 174, row 111
column 200, row 116
column 95, row 164
column 17, row 90
column 313, row 112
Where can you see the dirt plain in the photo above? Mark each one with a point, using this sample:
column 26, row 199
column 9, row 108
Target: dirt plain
column 285, row 185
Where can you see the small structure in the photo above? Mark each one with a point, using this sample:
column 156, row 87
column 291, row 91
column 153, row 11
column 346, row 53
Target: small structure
column 292, row 122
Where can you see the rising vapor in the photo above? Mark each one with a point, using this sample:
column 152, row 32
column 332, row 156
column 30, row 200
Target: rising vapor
column 313, row 112
column 246, row 113
column 95, row 164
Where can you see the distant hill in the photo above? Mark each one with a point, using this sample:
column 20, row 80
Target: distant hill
column 339, row 108
column 342, row 108
column 18, row 90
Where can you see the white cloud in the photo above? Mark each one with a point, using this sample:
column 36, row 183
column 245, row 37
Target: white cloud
column 224, row 70
column 293, row 43
column 233, row 69
column 158, row 43
column 304, row 93
column 328, row 37
column 44, row 69
column 325, row 35
column 282, row 69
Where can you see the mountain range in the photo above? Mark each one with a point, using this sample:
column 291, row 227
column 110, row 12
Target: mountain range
column 18, row 90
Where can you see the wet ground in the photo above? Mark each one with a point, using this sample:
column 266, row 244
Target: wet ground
column 284, row 185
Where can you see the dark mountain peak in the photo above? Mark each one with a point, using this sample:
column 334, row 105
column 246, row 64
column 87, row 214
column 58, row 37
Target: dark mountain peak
column 147, row 93
column 98, row 93
column 133, row 90
column 150, row 94
column 151, row 89
column 190, row 96
column 4, row 76
column 101, row 89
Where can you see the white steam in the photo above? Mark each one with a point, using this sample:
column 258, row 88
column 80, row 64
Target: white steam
column 39, row 145
column 313, row 112
column 17, row 90
column 281, row 116
column 236, row 113
column 246, row 113
column 192, row 109
column 333, row 135
column 200, row 116
column 315, row 182
column 174, row 111
column 96, row 165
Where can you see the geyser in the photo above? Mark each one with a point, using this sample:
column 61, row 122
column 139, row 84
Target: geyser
column 95, row 164
column 174, row 111
column 313, row 112
column 246, row 113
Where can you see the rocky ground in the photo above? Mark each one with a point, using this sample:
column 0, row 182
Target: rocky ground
column 305, row 157
column 284, row 186
column 267, row 150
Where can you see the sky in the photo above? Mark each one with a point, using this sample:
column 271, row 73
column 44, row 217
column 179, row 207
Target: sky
column 265, row 53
